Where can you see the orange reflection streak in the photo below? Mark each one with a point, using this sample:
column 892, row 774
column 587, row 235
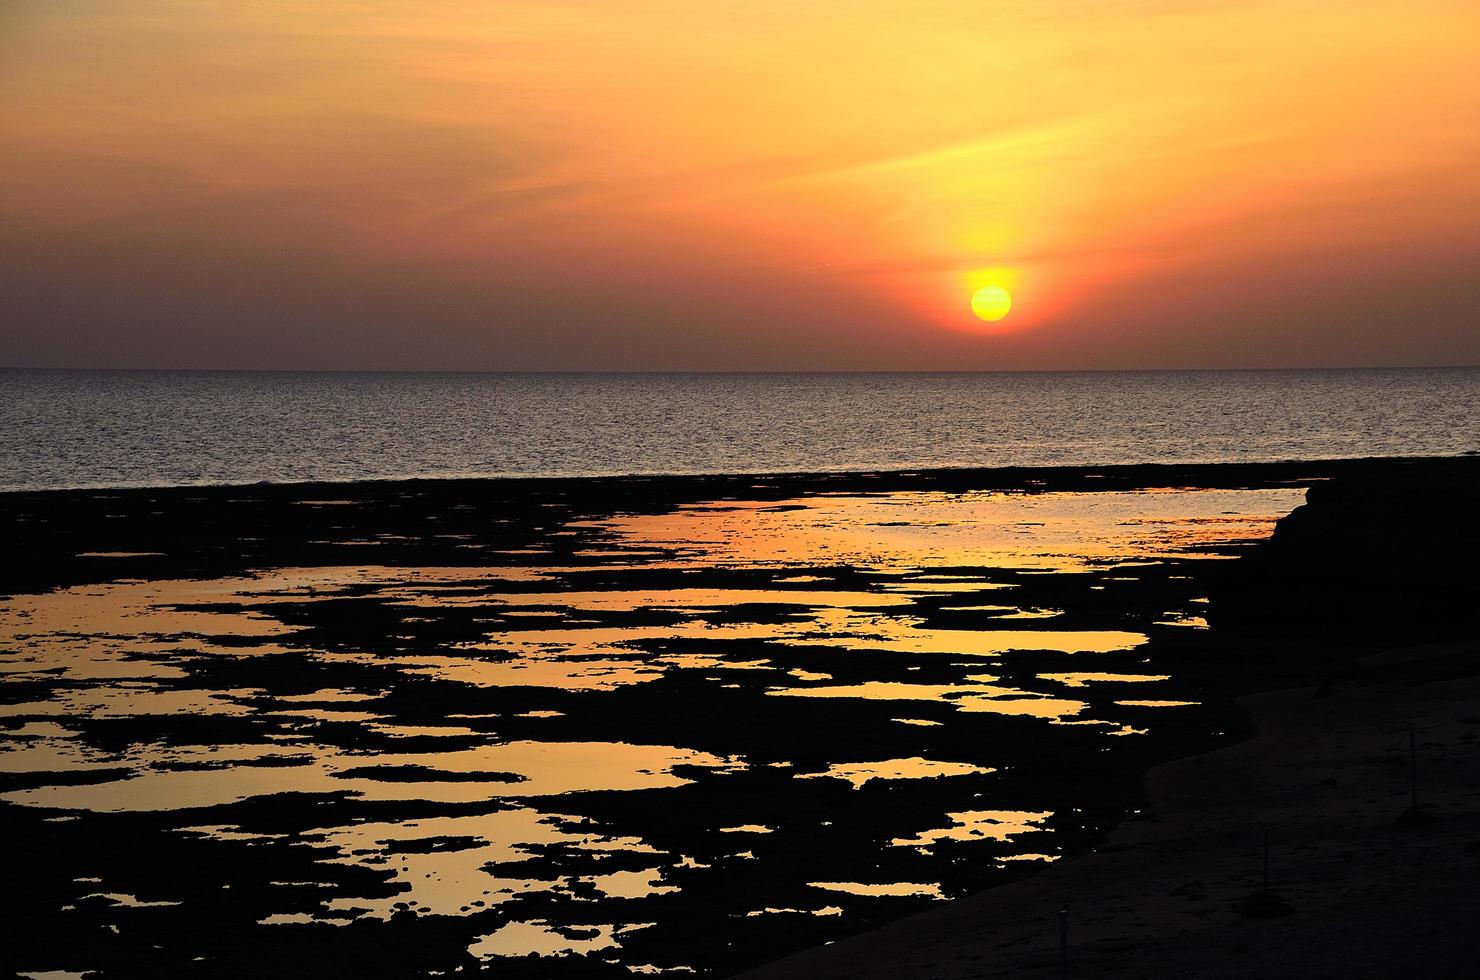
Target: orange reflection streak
column 931, row 530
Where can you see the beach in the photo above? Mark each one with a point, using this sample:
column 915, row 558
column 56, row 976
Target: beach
column 596, row 727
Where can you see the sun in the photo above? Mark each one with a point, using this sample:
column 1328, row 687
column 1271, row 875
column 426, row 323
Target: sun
column 991, row 303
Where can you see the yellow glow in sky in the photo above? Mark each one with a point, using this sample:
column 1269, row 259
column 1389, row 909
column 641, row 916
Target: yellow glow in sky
column 743, row 185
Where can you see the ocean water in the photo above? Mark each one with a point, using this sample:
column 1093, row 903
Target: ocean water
column 131, row 428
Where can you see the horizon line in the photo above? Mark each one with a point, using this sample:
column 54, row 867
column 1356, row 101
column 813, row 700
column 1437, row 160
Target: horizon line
column 740, row 372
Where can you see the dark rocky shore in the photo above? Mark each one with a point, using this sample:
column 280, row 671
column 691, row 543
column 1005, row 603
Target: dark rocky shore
column 1382, row 553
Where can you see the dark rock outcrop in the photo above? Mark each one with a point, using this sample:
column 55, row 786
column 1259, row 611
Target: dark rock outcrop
column 1383, row 555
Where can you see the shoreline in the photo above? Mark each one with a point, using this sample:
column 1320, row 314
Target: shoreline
column 193, row 533
column 1006, row 477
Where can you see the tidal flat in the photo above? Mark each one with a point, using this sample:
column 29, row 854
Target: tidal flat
column 556, row 728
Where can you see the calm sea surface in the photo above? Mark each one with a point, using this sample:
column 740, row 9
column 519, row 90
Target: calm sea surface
column 125, row 428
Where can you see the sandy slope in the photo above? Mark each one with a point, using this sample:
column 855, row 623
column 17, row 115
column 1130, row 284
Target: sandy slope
column 1370, row 893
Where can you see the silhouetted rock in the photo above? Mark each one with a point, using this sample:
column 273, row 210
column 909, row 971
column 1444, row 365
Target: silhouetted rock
column 1386, row 553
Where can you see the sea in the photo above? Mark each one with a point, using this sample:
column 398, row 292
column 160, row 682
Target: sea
column 102, row 428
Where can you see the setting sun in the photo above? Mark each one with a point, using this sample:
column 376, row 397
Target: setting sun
column 991, row 303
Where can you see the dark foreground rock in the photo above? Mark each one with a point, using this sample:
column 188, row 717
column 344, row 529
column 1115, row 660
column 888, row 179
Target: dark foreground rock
column 1388, row 554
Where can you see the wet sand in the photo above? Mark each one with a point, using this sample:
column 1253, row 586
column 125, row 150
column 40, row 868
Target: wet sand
column 737, row 682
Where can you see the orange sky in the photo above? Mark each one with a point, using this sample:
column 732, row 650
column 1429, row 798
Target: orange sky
column 627, row 184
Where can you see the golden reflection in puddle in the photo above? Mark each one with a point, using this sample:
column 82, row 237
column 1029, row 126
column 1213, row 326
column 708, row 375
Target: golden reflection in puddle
column 825, row 910
column 466, row 875
column 625, row 600
column 1085, row 678
column 294, row 919
column 631, row 884
column 963, row 697
column 1156, row 704
column 420, row 731
column 1009, row 612
column 566, row 767
column 103, row 632
column 647, row 969
column 999, row 825
column 126, row 630
column 747, row 828
column 602, row 658
column 510, row 770
column 132, row 699
column 537, row 669
column 330, row 714
column 330, row 695
column 921, row 587
column 35, row 729
column 128, row 901
column 898, row 635
column 228, row 832
column 945, row 530
column 1191, row 622
column 859, row 773
column 896, row 889
column 541, row 939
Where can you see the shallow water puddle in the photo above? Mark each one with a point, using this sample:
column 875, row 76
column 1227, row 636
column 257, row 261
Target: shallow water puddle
column 977, row 824
column 898, row 889
column 989, row 529
column 449, row 865
column 542, row 939
column 165, row 780
column 961, row 697
column 860, row 773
